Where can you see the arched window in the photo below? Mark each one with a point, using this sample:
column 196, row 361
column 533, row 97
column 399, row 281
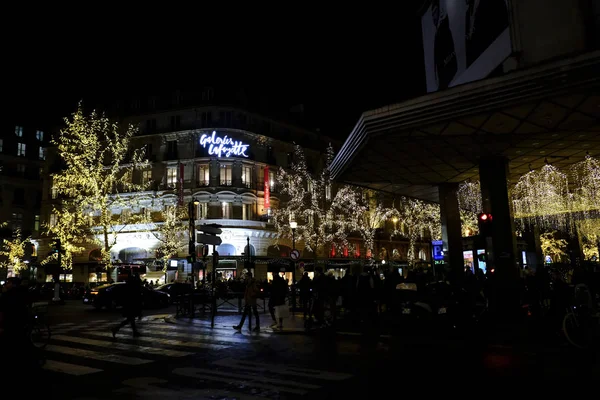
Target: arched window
column 95, row 255
column 226, row 249
column 131, row 254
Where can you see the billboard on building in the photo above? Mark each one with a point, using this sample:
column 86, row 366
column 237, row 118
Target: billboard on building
column 464, row 40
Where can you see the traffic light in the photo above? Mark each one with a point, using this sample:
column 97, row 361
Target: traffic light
column 485, row 221
column 56, row 247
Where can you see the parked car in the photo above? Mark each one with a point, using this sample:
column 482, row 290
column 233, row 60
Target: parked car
column 175, row 289
column 114, row 295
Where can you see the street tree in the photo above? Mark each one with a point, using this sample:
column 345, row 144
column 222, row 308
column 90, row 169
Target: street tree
column 95, row 184
column 13, row 252
column 308, row 200
column 171, row 232
column 416, row 218
column 366, row 215
column 553, row 246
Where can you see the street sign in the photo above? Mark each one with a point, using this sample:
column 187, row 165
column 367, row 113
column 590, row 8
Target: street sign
column 295, row 255
column 212, row 229
column 301, row 264
column 208, row 239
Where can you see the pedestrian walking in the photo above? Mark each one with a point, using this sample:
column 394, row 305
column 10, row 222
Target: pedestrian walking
column 132, row 306
column 279, row 310
column 250, row 295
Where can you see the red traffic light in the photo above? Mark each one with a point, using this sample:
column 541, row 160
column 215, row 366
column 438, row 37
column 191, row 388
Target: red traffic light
column 485, row 217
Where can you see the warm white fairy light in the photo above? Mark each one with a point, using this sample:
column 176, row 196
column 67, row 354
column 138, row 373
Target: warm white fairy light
column 470, row 204
column 542, row 198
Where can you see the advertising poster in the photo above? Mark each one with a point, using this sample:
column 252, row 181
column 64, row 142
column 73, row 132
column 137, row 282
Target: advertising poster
column 464, row 40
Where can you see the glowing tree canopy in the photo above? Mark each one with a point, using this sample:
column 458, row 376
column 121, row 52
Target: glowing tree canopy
column 417, row 217
column 586, row 177
column 553, row 247
column 171, row 232
column 469, row 202
column 308, row 200
column 13, row 252
column 96, row 181
column 541, row 198
column 366, row 215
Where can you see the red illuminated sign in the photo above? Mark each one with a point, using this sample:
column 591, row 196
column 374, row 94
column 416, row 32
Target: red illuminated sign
column 267, row 189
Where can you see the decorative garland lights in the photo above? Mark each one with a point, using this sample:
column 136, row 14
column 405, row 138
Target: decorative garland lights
column 549, row 199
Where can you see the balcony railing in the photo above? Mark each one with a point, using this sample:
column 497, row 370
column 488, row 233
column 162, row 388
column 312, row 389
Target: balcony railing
column 225, row 182
column 203, row 182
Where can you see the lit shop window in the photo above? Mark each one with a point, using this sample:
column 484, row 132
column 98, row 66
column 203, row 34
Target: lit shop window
column 53, row 220
column 248, row 211
column 146, row 176
column 226, row 210
column 21, row 149
column 225, row 175
column 203, row 175
column 202, row 210
column 172, row 176
column 247, row 176
column 285, row 275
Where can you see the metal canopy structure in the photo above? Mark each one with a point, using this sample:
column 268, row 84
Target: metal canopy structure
column 547, row 113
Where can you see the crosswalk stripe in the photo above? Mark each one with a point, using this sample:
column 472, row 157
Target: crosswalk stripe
column 122, row 346
column 218, row 329
column 230, row 334
column 115, row 358
column 201, row 373
column 71, row 369
column 170, row 342
column 282, row 369
column 166, row 331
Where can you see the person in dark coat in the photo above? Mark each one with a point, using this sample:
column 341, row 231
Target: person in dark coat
column 132, row 305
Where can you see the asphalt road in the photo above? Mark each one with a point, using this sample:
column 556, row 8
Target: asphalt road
column 187, row 359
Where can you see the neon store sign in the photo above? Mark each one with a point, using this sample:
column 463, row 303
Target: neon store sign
column 223, row 146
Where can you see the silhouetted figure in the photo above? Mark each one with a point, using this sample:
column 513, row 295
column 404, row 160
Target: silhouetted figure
column 250, row 295
column 132, row 305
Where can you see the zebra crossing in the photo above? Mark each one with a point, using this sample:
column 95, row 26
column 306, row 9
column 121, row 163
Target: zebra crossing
column 78, row 349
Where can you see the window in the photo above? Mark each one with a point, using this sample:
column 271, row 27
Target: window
column 172, row 149
column 42, row 153
column 226, row 175
column 21, row 169
column 36, row 223
column 19, row 131
column 203, row 175
column 202, row 210
column 53, row 193
column 1, row 145
column 21, row 149
column 19, row 196
column 328, row 192
column 146, row 176
column 175, row 121
column 151, row 125
column 206, row 118
column 172, row 176
column 309, row 186
column 248, row 211
column 226, row 210
column 247, row 176
column 39, row 135
column 17, row 221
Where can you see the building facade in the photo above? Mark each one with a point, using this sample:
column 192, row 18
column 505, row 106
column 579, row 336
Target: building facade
column 22, row 154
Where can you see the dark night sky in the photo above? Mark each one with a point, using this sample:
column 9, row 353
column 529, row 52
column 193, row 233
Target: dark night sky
column 337, row 67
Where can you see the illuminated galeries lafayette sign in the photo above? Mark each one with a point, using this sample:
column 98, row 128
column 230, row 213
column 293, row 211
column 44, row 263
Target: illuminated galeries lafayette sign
column 223, row 146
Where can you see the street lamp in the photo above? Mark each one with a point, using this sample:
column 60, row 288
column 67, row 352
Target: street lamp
column 293, row 226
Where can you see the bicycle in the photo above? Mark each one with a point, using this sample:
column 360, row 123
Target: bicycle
column 37, row 330
column 581, row 323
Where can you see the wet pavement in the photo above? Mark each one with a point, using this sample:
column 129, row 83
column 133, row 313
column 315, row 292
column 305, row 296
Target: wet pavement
column 183, row 358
